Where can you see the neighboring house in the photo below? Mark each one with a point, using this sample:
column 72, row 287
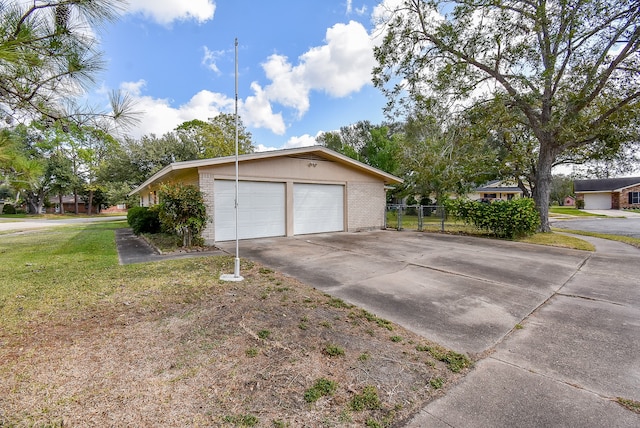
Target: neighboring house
column 496, row 189
column 569, row 201
column 608, row 193
column 281, row 193
column 69, row 205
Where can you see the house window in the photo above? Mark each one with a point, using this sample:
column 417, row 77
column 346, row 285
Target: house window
column 634, row 197
column 491, row 195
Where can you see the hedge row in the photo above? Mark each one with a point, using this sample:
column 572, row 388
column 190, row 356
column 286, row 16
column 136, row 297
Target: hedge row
column 505, row 219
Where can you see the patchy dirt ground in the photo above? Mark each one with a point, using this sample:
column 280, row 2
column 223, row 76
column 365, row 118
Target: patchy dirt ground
column 268, row 351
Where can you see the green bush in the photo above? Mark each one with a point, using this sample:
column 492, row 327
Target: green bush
column 505, row 219
column 580, row 204
column 183, row 212
column 8, row 209
column 143, row 220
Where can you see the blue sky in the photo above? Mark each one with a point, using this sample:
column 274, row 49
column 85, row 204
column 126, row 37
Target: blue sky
column 304, row 66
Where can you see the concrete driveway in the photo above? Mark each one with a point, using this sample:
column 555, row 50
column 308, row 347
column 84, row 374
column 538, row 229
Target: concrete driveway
column 579, row 347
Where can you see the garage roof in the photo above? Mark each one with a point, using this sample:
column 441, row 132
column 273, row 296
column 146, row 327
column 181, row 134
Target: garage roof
column 605, row 184
column 319, row 151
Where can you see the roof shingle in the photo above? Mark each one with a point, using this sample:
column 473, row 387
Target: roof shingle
column 604, row 184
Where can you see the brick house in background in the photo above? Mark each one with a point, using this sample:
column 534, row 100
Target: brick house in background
column 69, row 205
column 609, row 193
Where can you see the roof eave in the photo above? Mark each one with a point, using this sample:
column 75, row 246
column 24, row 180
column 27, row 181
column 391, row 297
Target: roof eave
column 387, row 178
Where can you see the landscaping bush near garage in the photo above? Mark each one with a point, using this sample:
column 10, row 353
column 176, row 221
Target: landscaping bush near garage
column 143, row 220
column 505, row 219
column 183, row 212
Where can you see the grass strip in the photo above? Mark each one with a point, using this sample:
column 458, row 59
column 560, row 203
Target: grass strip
column 624, row 239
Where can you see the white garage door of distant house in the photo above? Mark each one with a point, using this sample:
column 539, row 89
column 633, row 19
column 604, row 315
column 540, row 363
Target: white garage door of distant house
column 261, row 209
column 317, row 208
column 597, row 201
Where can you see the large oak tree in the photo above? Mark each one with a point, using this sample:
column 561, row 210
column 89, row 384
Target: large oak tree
column 568, row 71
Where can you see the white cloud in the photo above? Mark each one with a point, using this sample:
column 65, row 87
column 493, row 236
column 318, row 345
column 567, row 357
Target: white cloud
column 288, row 86
column 340, row 67
column 305, row 140
column 344, row 64
column 210, row 58
column 359, row 10
column 256, row 111
column 158, row 116
column 166, row 11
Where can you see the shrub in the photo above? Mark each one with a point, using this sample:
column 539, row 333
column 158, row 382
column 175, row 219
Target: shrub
column 133, row 213
column 183, row 212
column 322, row 387
column 367, row 400
column 505, row 219
column 8, row 209
column 143, row 220
column 580, row 204
column 333, row 350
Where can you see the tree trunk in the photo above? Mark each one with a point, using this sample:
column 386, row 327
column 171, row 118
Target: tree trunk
column 75, row 200
column 61, row 204
column 32, row 206
column 34, row 202
column 542, row 190
column 90, row 201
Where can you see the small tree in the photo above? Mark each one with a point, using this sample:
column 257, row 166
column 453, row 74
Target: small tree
column 182, row 211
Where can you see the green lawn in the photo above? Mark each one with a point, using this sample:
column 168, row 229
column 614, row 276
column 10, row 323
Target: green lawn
column 57, row 274
column 572, row 211
column 625, row 239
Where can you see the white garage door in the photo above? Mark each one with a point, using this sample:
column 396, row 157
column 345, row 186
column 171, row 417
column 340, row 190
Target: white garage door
column 261, row 209
column 317, row 208
column 597, row 201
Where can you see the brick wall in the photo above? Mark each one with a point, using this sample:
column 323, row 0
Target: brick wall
column 206, row 187
column 366, row 202
column 624, row 197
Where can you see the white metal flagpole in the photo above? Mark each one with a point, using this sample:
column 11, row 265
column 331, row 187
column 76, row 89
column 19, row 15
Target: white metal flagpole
column 236, row 269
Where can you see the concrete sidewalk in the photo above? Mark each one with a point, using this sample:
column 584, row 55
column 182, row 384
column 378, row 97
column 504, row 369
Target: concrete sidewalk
column 133, row 249
column 579, row 345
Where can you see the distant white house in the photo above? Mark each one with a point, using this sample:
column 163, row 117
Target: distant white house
column 496, row 189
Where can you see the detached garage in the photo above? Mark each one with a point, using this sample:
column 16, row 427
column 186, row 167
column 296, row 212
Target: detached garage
column 281, row 193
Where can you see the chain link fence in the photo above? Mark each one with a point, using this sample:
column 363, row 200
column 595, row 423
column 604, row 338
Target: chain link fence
column 415, row 217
